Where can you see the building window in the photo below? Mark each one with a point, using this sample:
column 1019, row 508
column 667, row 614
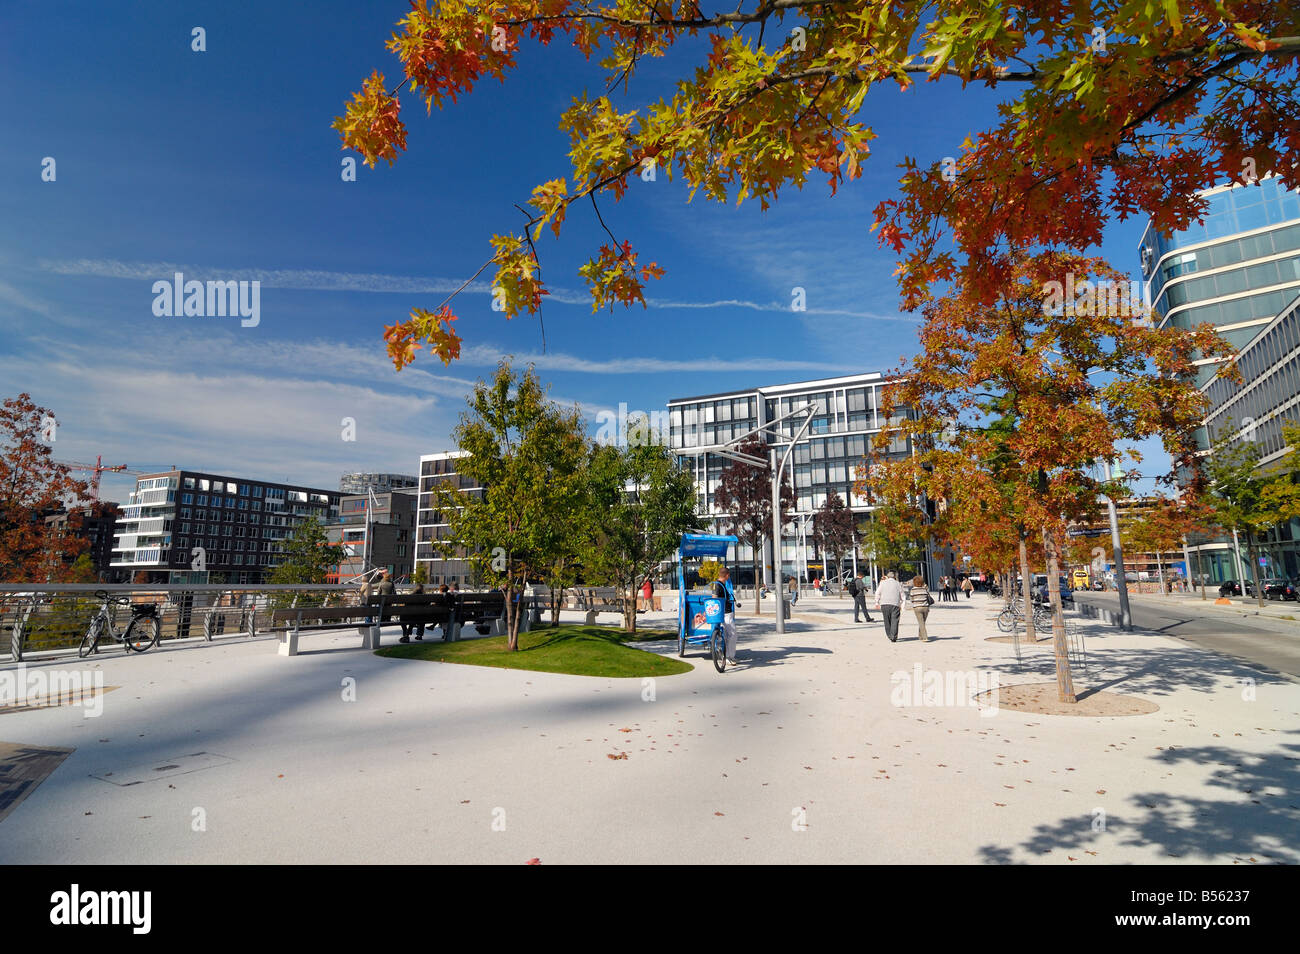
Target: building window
column 203, row 500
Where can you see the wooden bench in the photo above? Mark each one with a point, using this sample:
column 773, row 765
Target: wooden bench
column 413, row 609
column 450, row 611
column 288, row 624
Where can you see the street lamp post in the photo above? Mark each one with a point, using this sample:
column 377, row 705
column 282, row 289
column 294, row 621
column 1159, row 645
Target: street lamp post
column 728, row 450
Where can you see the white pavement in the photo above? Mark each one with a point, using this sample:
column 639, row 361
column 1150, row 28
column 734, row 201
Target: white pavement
column 432, row 759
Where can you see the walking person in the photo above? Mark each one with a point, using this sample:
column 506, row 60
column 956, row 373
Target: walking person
column 794, row 591
column 919, row 596
column 418, row 627
column 858, row 590
column 721, row 588
column 967, row 587
column 889, row 600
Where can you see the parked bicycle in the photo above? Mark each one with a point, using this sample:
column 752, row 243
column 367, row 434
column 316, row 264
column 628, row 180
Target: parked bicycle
column 141, row 634
column 1013, row 616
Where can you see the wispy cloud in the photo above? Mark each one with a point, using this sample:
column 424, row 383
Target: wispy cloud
column 550, row 361
column 376, row 283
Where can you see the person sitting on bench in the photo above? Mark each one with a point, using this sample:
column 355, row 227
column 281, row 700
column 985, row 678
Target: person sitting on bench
column 418, row 627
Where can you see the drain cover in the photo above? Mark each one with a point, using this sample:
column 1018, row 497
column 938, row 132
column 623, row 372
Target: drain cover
column 180, row 765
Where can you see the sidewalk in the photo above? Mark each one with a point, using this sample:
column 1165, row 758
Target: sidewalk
column 812, row 750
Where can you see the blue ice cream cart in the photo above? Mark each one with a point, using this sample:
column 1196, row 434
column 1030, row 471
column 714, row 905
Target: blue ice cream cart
column 699, row 613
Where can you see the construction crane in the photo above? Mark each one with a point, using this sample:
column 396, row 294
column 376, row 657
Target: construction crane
column 97, row 468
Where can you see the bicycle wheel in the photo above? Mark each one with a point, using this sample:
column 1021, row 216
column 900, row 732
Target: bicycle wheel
column 90, row 641
column 718, row 647
column 142, row 635
column 1006, row 621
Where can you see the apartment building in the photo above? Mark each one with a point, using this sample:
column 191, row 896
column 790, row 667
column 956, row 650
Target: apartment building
column 432, row 526
column 375, row 530
column 183, row 526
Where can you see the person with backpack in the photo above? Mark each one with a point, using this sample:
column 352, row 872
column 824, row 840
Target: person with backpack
column 858, row 590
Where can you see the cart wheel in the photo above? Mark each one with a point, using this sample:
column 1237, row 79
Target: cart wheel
column 718, row 645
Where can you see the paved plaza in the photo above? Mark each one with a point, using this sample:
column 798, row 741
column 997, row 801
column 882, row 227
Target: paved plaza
column 229, row 753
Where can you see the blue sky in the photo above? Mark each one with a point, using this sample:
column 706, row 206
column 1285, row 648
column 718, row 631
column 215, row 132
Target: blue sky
column 222, row 164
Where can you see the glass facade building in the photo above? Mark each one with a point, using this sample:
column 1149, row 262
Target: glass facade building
column 846, row 419
column 1236, row 271
column 1239, row 271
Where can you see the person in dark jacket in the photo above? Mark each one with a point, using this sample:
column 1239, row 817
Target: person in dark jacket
column 418, row 627
column 721, row 588
column 858, row 590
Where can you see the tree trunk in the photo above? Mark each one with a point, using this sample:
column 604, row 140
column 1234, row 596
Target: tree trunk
column 1160, row 573
column 1064, row 678
column 512, row 619
column 557, row 600
column 1254, row 568
column 629, row 610
column 1026, row 597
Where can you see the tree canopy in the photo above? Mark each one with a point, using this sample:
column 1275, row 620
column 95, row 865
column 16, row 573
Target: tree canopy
column 1114, row 108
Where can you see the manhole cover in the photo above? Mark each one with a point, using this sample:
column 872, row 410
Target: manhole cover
column 181, row 765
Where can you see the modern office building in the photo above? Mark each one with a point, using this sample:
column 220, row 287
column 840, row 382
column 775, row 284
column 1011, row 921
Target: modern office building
column 182, row 526
column 847, row 418
column 1255, row 410
column 432, row 526
column 1239, row 270
column 382, row 535
column 379, row 483
column 1236, row 271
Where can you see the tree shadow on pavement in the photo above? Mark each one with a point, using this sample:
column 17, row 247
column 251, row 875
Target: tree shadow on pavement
column 1256, row 820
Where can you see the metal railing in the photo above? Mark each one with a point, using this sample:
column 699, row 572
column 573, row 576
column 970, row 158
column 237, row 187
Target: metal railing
column 38, row 618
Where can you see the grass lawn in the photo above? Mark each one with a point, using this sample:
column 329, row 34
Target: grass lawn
column 570, row 649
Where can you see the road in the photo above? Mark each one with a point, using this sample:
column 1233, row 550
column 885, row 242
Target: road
column 1272, row 650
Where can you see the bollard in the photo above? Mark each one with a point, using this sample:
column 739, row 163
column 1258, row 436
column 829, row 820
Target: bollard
column 207, row 624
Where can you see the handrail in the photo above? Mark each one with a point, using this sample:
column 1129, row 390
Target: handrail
column 171, row 587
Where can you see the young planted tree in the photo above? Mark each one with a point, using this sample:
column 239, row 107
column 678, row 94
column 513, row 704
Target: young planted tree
column 1045, row 386
column 836, row 530
column 526, row 453
column 308, row 555
column 1112, row 107
column 641, row 504
column 745, row 492
column 33, row 485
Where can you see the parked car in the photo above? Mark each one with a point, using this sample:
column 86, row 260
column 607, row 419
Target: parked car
column 1040, row 591
column 1277, row 589
column 1229, row 588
